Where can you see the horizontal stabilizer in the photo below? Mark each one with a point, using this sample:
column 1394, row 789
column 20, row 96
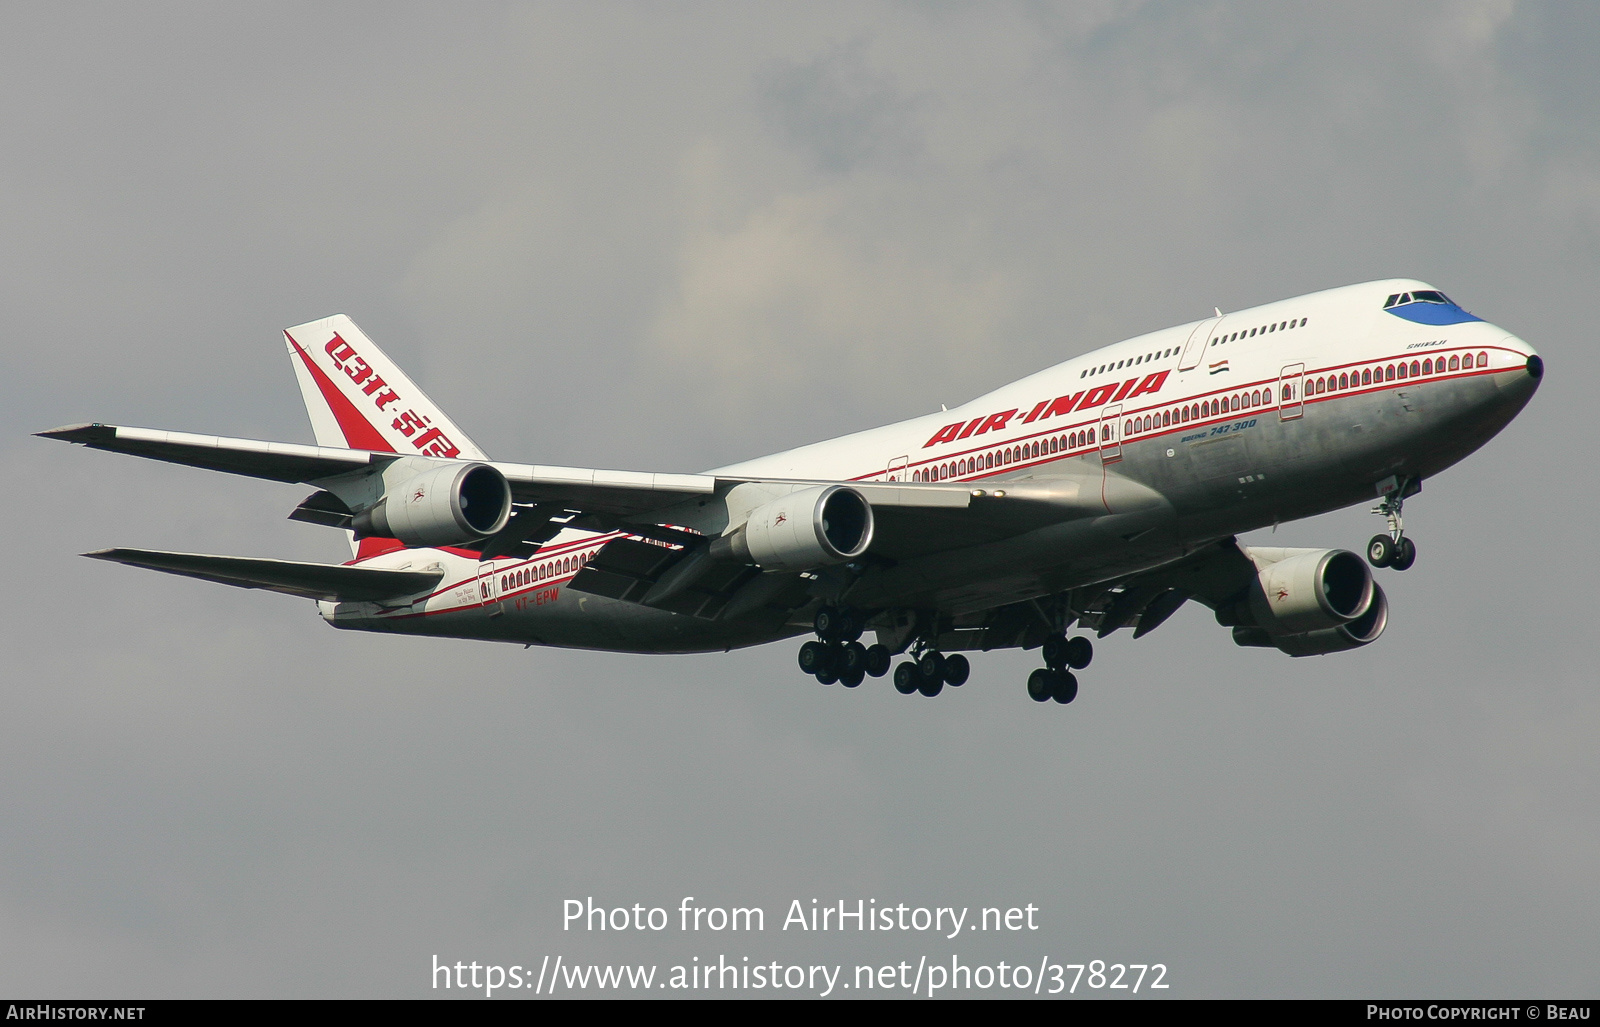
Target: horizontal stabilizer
column 308, row 580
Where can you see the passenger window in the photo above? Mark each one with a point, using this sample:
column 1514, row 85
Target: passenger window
column 1483, row 360
column 1416, row 369
column 1388, row 373
column 1455, row 363
column 1402, row 372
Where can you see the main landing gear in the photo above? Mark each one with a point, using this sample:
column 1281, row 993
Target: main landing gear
column 838, row 656
column 930, row 671
column 1394, row 549
column 1055, row 680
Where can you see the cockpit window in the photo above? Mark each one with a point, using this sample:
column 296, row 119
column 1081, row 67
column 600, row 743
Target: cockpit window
column 1420, row 296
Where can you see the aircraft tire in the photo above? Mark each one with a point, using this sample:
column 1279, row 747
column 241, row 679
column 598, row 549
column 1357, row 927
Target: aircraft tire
column 1039, row 685
column 931, row 667
column 850, row 626
column 1406, row 556
column 930, row 687
column 852, row 659
column 878, row 660
column 905, row 678
column 827, row 675
column 956, row 670
column 851, row 679
column 1055, row 652
column 1079, row 652
column 1064, row 687
column 827, row 623
column 1381, row 551
column 813, row 657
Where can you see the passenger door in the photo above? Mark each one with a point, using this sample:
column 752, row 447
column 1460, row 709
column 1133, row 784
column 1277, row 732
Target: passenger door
column 1291, row 383
column 489, row 588
column 1111, row 434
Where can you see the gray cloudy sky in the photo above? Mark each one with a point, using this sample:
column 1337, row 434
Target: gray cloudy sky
column 672, row 236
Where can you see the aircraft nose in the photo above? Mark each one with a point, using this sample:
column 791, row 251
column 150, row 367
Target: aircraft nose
column 1532, row 362
column 1527, row 370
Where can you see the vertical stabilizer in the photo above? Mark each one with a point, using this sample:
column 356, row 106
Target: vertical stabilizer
column 358, row 398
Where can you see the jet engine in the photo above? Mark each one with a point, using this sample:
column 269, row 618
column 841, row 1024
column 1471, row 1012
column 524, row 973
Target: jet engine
column 809, row 528
column 445, row 506
column 1308, row 602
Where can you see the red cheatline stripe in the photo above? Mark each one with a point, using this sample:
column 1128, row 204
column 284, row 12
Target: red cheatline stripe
column 359, row 432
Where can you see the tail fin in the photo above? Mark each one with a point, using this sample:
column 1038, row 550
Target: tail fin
column 360, row 399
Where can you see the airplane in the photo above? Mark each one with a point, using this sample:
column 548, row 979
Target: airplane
column 1102, row 493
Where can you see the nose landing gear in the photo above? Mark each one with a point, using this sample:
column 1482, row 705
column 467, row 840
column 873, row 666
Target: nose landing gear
column 1394, row 549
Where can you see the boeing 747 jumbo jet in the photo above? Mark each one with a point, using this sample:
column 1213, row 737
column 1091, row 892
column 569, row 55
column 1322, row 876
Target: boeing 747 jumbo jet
column 1102, row 493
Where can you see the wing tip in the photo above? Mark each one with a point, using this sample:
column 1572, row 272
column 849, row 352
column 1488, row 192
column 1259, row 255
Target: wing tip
column 81, row 433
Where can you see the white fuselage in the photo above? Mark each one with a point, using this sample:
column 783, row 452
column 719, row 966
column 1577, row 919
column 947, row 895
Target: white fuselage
column 1238, row 421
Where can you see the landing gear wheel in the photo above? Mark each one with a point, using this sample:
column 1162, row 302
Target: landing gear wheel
column 1079, row 652
column 930, row 687
column 1040, row 685
column 905, row 678
column 827, row 623
column 930, row 667
column 849, row 626
column 852, row 678
column 1406, row 556
column 814, row 656
column 852, row 659
column 1064, row 688
column 878, row 660
column 1381, row 551
column 956, row 670
column 827, row 676
column 1055, row 652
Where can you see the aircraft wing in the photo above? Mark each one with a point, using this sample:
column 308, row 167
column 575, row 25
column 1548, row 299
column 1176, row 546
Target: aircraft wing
column 308, row 580
column 914, row 518
column 275, row 461
column 588, row 489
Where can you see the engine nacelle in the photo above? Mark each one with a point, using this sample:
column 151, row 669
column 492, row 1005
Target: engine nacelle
column 1308, row 590
column 445, row 506
column 1364, row 630
column 1308, row 602
column 813, row 527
